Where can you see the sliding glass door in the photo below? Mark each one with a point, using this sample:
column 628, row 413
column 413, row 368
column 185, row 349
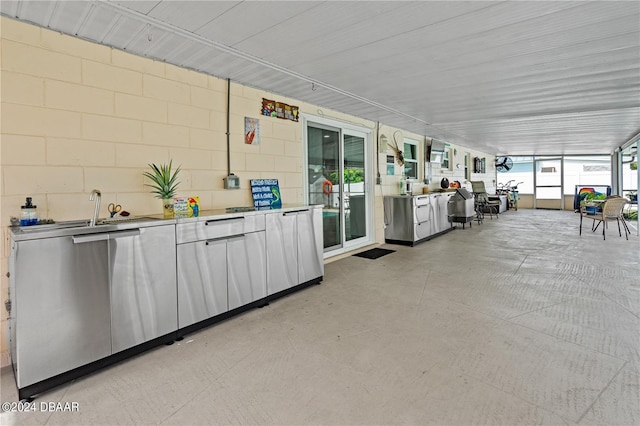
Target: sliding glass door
column 338, row 179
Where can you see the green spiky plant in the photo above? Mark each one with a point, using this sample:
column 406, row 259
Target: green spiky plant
column 164, row 180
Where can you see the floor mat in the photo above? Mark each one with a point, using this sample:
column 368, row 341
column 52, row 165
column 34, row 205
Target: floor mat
column 374, row 253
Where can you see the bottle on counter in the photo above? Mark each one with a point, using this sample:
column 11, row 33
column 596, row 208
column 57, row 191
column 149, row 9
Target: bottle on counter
column 28, row 214
column 403, row 185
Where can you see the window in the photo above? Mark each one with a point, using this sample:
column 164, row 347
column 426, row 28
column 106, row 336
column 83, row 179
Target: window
column 411, row 158
column 446, row 162
column 591, row 170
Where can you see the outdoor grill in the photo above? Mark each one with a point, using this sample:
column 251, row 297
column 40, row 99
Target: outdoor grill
column 461, row 208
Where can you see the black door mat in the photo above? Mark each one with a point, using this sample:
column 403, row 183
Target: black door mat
column 374, row 253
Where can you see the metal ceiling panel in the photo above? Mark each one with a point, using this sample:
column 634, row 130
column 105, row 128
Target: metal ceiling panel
column 142, row 6
column 250, row 18
column 190, row 15
column 516, row 77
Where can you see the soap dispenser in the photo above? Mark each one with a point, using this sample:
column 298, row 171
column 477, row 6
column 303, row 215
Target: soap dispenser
column 29, row 214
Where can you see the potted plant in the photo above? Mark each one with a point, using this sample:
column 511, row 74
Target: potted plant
column 588, row 202
column 164, row 185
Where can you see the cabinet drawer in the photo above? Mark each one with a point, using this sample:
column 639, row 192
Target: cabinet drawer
column 422, row 213
column 219, row 228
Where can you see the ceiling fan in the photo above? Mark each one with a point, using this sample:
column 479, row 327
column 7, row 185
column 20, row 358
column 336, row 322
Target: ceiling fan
column 504, row 164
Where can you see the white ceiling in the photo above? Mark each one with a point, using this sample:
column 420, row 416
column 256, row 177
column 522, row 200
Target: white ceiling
column 510, row 77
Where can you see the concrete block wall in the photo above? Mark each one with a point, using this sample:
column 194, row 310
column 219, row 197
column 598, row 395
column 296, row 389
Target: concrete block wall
column 76, row 115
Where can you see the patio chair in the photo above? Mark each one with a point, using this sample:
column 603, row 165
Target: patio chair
column 611, row 210
column 482, row 199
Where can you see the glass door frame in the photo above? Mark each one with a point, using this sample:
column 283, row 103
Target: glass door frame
column 354, row 130
column 537, row 159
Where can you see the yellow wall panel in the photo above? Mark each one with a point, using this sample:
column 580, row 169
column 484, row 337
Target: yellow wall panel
column 80, row 152
column 165, row 89
column 104, row 128
column 139, row 108
column 41, row 179
column 113, row 78
column 208, row 99
column 165, row 134
column 218, row 121
column 283, row 164
column 30, row 60
column 208, row 139
column 36, row 121
column 259, row 162
column 185, row 115
column 129, row 155
column 73, row 46
column 75, row 97
column 191, row 159
column 20, row 31
column 136, row 63
column 206, row 179
column 190, row 77
column 23, row 150
column 219, row 160
column 293, row 149
column 113, row 179
column 271, row 146
column 22, row 89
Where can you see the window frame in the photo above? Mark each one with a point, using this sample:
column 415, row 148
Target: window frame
column 415, row 161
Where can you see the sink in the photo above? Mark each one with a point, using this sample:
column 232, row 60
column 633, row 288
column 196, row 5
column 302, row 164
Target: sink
column 120, row 219
column 54, row 226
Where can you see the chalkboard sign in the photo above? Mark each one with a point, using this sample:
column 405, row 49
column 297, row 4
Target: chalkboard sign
column 266, row 193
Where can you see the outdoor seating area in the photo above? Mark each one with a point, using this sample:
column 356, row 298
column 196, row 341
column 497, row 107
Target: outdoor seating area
column 604, row 211
column 484, row 204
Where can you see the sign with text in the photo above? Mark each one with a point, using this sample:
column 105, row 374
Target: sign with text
column 266, row 193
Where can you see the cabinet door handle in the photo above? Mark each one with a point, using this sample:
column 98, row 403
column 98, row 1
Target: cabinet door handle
column 231, row 237
column 223, row 220
column 80, row 239
column 294, row 212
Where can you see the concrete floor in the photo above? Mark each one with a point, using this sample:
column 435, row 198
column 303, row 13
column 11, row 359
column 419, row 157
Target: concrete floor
column 514, row 321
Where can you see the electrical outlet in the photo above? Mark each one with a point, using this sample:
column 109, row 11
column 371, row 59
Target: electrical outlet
column 231, row 182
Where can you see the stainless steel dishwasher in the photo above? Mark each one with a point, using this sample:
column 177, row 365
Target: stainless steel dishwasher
column 61, row 311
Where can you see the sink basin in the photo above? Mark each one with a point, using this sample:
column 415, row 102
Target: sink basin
column 57, row 225
column 79, row 227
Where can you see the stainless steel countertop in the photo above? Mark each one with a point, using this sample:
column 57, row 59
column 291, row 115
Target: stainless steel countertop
column 81, row 227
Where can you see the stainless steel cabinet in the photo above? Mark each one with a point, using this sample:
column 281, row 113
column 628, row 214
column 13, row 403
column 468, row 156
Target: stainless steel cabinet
column 310, row 245
column 60, row 305
column 246, row 269
column 411, row 219
column 440, row 203
column 143, row 285
column 282, row 252
column 221, row 266
column 86, row 297
column 202, row 281
column 294, row 248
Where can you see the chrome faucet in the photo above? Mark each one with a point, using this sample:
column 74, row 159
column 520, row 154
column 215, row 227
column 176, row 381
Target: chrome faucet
column 95, row 193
